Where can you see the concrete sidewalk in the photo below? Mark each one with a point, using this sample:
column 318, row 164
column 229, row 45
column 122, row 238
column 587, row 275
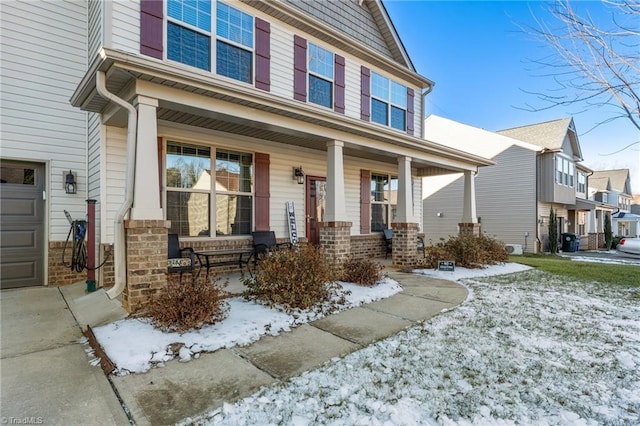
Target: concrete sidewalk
column 46, row 376
column 179, row 390
column 45, row 373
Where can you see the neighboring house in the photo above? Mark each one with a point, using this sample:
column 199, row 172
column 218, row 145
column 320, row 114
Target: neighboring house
column 561, row 179
column 537, row 168
column 613, row 187
column 505, row 192
column 254, row 97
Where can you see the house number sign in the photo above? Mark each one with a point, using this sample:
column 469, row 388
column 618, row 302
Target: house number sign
column 446, row 265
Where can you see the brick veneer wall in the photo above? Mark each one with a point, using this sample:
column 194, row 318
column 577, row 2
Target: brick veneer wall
column 146, row 261
column 106, row 273
column 60, row 274
column 405, row 237
column 469, row 228
column 335, row 238
column 368, row 246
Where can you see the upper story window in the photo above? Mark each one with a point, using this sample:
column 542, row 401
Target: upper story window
column 321, row 75
column 582, row 183
column 234, row 47
column 388, row 102
column 384, row 194
column 190, row 39
column 565, row 171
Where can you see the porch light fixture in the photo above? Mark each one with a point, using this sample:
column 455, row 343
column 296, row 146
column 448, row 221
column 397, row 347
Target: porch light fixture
column 70, row 185
column 439, row 214
column 298, row 174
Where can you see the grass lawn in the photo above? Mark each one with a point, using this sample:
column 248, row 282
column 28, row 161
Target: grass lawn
column 628, row 275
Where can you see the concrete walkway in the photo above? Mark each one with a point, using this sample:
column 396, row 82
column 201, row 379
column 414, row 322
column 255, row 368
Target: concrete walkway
column 46, row 377
column 179, row 390
column 45, row 373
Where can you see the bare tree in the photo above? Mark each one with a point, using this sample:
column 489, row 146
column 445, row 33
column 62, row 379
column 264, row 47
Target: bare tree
column 594, row 62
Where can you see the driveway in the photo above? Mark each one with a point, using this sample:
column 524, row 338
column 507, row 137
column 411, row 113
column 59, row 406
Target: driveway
column 45, row 373
column 604, row 256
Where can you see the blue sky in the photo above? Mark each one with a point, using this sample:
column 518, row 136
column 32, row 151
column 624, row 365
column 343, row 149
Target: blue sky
column 480, row 59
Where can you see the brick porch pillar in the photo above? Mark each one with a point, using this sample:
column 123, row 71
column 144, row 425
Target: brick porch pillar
column 405, row 243
column 335, row 239
column 146, row 261
column 469, row 229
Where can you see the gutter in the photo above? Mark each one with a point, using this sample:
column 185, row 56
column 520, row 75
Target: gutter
column 423, row 109
column 120, row 258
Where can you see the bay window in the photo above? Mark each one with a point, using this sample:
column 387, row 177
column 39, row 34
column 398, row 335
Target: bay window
column 565, row 171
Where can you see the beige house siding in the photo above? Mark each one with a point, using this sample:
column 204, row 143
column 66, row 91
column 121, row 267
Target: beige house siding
column 505, row 200
column 43, row 54
column 95, row 9
column 125, row 26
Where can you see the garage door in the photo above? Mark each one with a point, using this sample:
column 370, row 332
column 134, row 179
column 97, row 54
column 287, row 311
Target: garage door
column 21, row 224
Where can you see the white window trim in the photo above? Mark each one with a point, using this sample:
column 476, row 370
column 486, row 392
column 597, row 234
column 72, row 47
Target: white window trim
column 388, row 102
column 322, row 77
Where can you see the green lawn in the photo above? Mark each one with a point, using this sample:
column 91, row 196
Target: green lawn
column 628, row 275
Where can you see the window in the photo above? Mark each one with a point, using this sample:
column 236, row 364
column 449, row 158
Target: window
column 582, row 183
column 388, row 102
column 189, row 37
column 384, row 194
column 565, row 171
column 191, row 189
column 234, row 200
column 234, row 47
column 320, row 66
column 188, row 189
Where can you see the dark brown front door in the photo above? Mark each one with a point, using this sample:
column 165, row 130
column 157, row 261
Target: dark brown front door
column 316, row 196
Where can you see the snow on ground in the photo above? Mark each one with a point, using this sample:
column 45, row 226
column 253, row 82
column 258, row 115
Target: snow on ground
column 526, row 348
column 135, row 345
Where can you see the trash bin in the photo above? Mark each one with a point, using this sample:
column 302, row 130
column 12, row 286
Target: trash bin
column 568, row 242
column 577, row 242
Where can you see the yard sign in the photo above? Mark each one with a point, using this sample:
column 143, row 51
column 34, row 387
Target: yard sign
column 291, row 219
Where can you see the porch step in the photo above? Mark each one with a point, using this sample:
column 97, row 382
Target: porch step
column 93, row 309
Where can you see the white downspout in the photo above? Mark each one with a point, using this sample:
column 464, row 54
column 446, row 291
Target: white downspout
column 423, row 109
column 120, row 257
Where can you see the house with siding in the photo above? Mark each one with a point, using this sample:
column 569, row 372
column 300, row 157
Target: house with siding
column 537, row 168
column 613, row 188
column 199, row 119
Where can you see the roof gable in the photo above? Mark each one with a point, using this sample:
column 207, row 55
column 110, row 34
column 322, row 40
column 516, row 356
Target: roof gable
column 556, row 135
column 366, row 21
column 619, row 179
column 599, row 183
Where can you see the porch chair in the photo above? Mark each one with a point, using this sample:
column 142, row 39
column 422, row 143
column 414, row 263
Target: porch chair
column 388, row 239
column 264, row 243
column 176, row 259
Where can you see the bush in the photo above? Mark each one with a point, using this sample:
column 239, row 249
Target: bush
column 187, row 303
column 615, row 241
column 361, row 271
column 468, row 251
column 293, row 279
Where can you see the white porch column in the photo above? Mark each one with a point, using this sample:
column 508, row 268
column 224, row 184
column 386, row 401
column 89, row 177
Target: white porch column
column 469, row 214
column 336, row 210
column 146, row 192
column 404, row 209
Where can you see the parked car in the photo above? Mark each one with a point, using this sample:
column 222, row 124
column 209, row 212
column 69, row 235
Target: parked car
column 629, row 247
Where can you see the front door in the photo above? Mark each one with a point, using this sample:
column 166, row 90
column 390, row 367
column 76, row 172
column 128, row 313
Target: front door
column 21, row 224
column 316, row 196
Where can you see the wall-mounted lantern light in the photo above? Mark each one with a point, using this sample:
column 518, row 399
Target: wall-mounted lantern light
column 298, row 174
column 70, row 184
column 440, row 214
